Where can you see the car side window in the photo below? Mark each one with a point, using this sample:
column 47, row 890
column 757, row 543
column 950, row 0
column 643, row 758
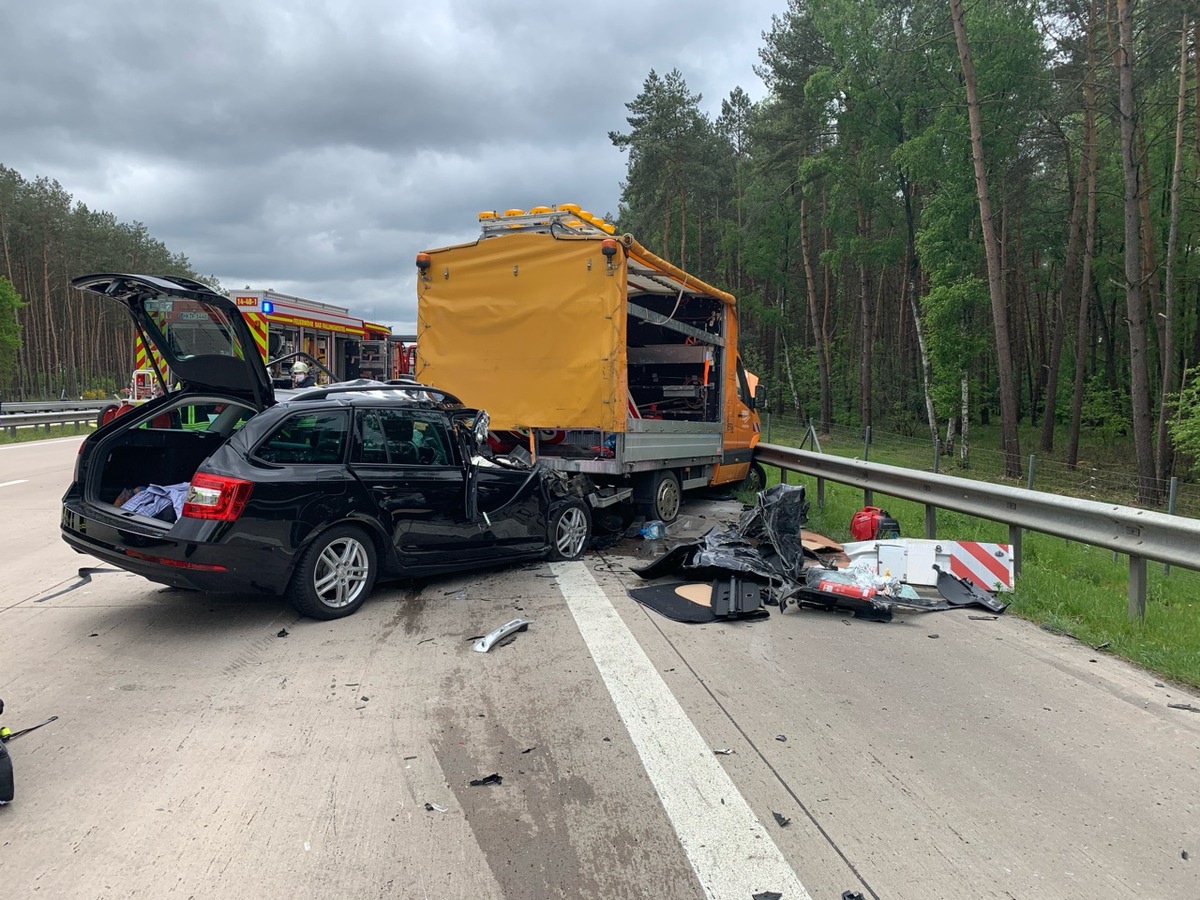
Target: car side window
column 306, row 439
column 414, row 438
column 372, row 447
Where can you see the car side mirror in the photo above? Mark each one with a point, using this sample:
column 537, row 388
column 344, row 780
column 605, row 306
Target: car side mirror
column 760, row 396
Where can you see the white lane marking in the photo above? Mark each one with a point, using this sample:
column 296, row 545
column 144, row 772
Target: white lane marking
column 8, row 483
column 27, row 444
column 728, row 847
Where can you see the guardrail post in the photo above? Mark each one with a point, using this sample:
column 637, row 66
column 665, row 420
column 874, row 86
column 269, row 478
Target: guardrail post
column 783, row 474
column 1174, row 492
column 930, row 521
column 1014, row 548
column 820, row 492
column 1137, row 588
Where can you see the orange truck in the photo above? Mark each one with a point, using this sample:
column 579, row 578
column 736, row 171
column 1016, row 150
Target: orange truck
column 591, row 354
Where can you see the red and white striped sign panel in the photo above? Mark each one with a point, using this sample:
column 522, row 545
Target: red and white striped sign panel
column 989, row 566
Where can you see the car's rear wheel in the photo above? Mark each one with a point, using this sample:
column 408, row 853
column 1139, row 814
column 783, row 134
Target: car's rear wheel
column 335, row 575
column 570, row 530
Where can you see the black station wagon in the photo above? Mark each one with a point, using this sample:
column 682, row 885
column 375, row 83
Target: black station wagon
column 216, row 486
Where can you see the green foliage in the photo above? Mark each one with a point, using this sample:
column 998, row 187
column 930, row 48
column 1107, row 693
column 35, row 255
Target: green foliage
column 1185, row 426
column 10, row 332
column 68, row 344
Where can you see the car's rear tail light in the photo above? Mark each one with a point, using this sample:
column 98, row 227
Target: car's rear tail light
column 216, row 497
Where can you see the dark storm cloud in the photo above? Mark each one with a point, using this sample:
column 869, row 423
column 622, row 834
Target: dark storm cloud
column 314, row 147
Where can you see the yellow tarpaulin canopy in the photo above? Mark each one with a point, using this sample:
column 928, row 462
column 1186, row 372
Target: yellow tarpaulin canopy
column 530, row 327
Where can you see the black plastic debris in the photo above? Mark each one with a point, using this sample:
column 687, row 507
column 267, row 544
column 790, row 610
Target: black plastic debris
column 960, row 592
column 781, row 737
column 283, row 632
column 13, row 735
column 1185, row 706
column 433, row 807
column 853, row 895
column 781, row 819
column 767, row 895
column 494, row 778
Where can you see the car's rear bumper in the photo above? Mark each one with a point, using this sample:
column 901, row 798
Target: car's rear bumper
column 236, row 567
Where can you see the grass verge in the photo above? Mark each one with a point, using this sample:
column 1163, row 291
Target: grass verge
column 25, row 435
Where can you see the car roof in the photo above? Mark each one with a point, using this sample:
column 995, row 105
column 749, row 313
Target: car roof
column 366, row 391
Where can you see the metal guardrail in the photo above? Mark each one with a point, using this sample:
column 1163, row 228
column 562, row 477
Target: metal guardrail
column 31, row 406
column 1140, row 534
column 12, row 421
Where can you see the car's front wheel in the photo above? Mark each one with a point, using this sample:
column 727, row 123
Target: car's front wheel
column 335, row 574
column 570, row 529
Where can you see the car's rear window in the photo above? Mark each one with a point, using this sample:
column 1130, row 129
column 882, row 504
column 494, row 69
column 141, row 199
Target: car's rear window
column 307, row 438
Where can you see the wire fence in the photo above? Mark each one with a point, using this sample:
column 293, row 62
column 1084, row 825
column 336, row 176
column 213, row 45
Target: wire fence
column 1104, row 484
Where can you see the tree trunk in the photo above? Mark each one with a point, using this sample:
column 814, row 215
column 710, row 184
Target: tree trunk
column 1163, row 461
column 868, row 329
column 964, row 444
column 1085, row 282
column 1135, row 307
column 1058, row 323
column 820, row 338
column 1008, row 398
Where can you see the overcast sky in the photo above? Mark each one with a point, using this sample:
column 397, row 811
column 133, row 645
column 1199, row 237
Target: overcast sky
column 314, row 147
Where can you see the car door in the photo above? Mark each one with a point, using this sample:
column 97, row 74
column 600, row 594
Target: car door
column 405, row 460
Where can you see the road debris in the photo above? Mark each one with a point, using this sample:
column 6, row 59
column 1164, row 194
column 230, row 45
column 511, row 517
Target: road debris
column 781, row 737
column 783, row 820
column 722, row 751
column 1187, row 706
column 433, row 807
column 283, row 632
column 767, row 895
column 494, row 778
column 485, row 643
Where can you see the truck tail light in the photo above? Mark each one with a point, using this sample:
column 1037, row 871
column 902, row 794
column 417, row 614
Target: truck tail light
column 216, row 497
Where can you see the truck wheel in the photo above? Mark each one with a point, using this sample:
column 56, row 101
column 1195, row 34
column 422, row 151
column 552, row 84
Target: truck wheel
column 569, row 530
column 335, row 575
column 756, row 478
column 664, row 497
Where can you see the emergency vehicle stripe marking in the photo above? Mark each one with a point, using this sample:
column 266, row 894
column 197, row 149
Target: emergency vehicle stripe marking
column 258, row 328
column 731, row 852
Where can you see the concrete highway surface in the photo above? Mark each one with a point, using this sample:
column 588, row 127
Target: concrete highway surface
column 219, row 746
